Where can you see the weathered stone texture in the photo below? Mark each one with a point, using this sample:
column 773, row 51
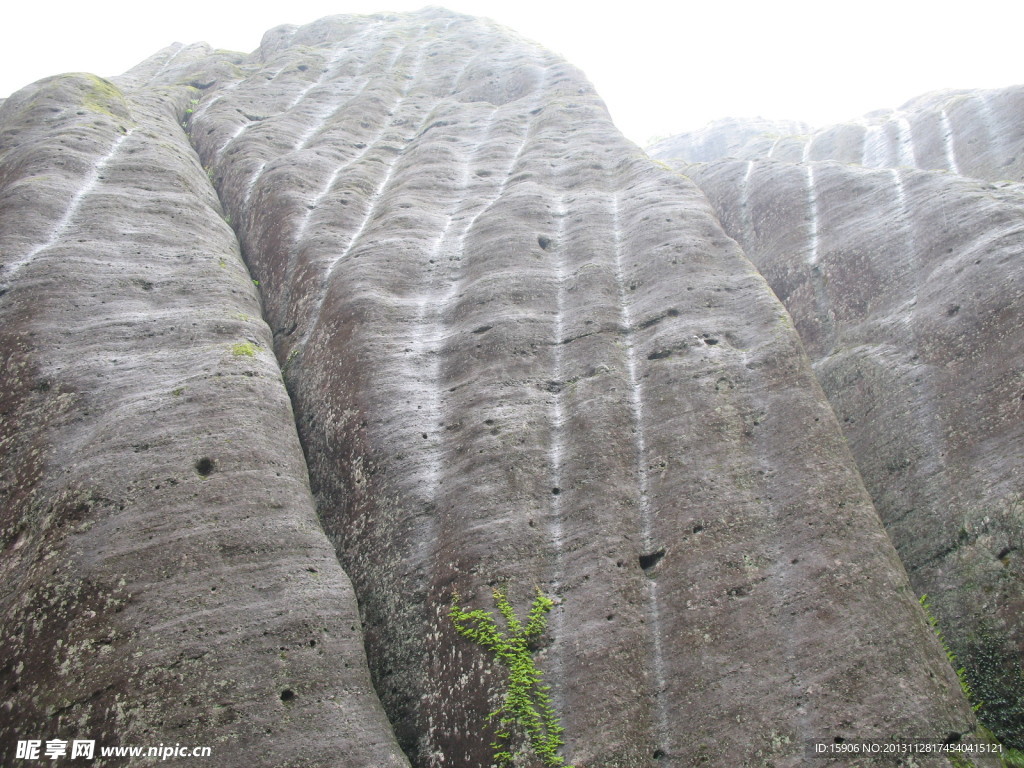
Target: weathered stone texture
column 976, row 133
column 728, row 137
column 907, row 290
column 164, row 576
column 519, row 353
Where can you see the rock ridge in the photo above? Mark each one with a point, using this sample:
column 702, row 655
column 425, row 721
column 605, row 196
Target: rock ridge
column 492, row 344
column 165, row 576
column 905, row 286
column 974, row 133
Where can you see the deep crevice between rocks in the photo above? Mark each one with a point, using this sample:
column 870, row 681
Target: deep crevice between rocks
column 206, row 466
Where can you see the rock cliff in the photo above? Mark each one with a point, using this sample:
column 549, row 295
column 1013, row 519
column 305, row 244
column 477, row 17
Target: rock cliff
column 300, row 344
column 972, row 133
column 164, row 574
column 727, row 137
column 907, row 290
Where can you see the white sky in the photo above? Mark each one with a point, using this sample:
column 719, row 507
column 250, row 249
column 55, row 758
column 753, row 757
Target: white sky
column 662, row 67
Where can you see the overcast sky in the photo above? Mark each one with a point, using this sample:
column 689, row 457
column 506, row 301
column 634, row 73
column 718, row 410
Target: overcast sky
column 662, row 67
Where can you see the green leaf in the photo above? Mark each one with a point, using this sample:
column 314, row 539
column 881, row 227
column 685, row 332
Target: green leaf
column 527, row 705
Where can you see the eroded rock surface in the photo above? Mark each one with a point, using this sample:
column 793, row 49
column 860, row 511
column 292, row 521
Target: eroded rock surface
column 728, row 137
column 975, row 133
column 907, row 289
column 519, row 353
column 165, row 578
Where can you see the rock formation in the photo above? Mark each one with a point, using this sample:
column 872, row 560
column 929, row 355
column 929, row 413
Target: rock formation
column 519, row 354
column 907, row 290
column 728, row 137
column 164, row 575
column 973, row 133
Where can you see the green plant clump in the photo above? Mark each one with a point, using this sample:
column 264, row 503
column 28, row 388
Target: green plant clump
column 103, row 97
column 961, row 672
column 244, row 349
column 999, row 682
column 526, row 710
column 1013, row 758
column 1009, row 757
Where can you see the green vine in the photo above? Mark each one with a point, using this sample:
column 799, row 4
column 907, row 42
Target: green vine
column 526, row 710
column 961, row 672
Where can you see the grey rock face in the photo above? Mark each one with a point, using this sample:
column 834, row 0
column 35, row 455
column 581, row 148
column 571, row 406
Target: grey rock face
column 507, row 357
column 728, row 137
column 164, row 575
column 975, row 133
column 518, row 353
column 907, row 290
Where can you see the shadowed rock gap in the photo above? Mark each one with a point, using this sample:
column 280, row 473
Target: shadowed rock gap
column 254, row 233
column 335, row 58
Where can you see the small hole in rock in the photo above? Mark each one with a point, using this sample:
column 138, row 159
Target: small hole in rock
column 205, row 466
column 710, row 342
column 651, row 559
column 287, row 694
column 544, row 242
column 556, row 491
column 658, row 754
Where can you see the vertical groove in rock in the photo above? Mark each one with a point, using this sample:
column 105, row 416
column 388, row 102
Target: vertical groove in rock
column 71, row 209
column 870, row 150
column 559, row 431
column 812, row 217
column 649, row 547
column 947, row 142
column 746, row 222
